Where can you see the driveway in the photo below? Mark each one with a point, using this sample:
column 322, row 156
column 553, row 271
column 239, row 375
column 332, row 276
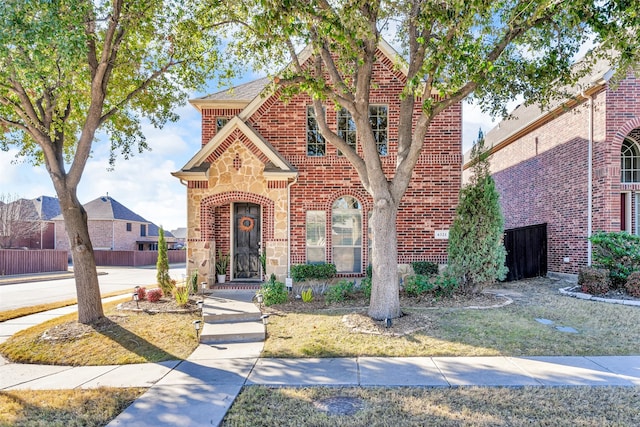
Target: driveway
column 111, row 279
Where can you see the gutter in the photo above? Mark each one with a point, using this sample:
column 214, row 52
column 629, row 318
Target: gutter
column 590, row 181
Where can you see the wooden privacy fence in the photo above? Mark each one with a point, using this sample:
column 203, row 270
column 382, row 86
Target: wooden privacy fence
column 526, row 252
column 136, row 258
column 32, row 261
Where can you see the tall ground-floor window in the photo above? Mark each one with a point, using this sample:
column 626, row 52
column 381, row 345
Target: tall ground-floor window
column 346, row 235
column 316, row 240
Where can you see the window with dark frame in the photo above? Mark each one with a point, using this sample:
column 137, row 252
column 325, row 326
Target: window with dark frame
column 128, row 226
column 346, row 128
column 378, row 118
column 221, row 122
column 143, row 230
column 316, row 145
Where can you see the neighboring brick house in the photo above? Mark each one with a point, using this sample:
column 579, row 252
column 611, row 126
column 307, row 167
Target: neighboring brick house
column 265, row 182
column 541, row 162
column 41, row 209
column 113, row 226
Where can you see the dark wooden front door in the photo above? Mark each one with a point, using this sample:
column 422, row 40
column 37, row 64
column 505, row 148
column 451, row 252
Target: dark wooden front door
column 246, row 247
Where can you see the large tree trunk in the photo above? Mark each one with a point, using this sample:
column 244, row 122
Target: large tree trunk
column 385, row 297
column 84, row 263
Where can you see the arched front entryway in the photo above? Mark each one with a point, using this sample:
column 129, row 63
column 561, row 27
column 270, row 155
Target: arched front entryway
column 630, row 182
column 239, row 225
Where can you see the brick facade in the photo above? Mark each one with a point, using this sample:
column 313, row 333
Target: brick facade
column 240, row 164
column 542, row 173
column 106, row 235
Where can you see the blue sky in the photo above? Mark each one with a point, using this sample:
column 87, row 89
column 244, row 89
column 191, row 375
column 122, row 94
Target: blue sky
column 144, row 183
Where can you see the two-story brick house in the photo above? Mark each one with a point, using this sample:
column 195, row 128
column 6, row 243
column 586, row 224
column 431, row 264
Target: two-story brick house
column 574, row 166
column 114, row 227
column 265, row 182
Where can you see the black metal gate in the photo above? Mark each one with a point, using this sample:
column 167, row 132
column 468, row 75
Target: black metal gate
column 526, row 252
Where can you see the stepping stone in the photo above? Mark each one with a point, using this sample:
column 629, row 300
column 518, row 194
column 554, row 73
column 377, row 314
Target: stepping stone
column 544, row 321
column 567, row 329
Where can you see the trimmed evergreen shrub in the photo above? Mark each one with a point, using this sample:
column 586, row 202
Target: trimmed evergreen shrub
column 425, row 268
column 632, row 287
column 594, row 281
column 162, row 266
column 618, row 252
column 476, row 250
column 302, row 272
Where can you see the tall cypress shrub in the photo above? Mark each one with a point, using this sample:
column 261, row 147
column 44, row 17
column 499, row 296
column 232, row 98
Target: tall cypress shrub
column 476, row 248
column 162, row 266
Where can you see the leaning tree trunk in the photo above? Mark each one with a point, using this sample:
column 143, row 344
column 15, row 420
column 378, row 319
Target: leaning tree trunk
column 385, row 297
column 84, row 263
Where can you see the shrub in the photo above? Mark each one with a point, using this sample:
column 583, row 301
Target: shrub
column 339, row 292
column 162, row 265
column 425, row 268
column 273, row 292
column 617, row 252
column 417, row 284
column 302, row 272
column 594, row 281
column 365, row 285
column 142, row 293
column 193, row 281
column 445, row 285
column 476, row 250
column 633, row 284
column 154, row 295
column 307, row 295
column 181, row 294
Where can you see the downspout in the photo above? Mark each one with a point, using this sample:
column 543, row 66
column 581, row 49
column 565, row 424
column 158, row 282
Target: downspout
column 289, row 225
column 590, row 182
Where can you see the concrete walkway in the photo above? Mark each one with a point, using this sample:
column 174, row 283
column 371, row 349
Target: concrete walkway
column 200, row 390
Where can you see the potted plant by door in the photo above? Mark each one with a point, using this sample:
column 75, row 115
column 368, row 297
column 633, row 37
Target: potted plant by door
column 222, row 262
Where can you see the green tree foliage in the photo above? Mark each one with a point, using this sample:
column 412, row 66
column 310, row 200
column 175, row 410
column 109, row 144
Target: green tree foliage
column 450, row 50
column 162, row 266
column 69, row 68
column 476, row 249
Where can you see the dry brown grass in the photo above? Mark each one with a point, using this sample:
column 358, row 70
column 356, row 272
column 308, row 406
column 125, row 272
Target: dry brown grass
column 603, row 329
column 39, row 308
column 126, row 337
column 467, row 406
column 68, row 408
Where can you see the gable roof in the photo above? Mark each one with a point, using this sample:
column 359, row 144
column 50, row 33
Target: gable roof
column 525, row 118
column 107, row 208
column 198, row 167
column 235, row 97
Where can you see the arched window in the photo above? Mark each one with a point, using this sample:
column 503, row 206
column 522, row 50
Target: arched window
column 630, row 161
column 346, row 234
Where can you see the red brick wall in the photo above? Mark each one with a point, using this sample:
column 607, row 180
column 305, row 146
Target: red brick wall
column 429, row 203
column 209, row 117
column 542, row 177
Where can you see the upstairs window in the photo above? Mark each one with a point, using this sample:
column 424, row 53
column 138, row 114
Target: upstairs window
column 378, row 119
column 128, row 226
column 143, row 230
column 630, row 161
column 220, row 123
column 316, row 145
column 346, row 128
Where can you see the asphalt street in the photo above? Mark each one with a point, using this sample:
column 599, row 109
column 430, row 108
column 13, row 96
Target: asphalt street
column 31, row 293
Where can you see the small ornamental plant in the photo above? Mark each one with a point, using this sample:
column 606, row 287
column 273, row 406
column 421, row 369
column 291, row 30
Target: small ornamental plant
column 594, row 281
column 307, row 295
column 632, row 287
column 154, row 295
column 181, row 294
column 142, row 293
